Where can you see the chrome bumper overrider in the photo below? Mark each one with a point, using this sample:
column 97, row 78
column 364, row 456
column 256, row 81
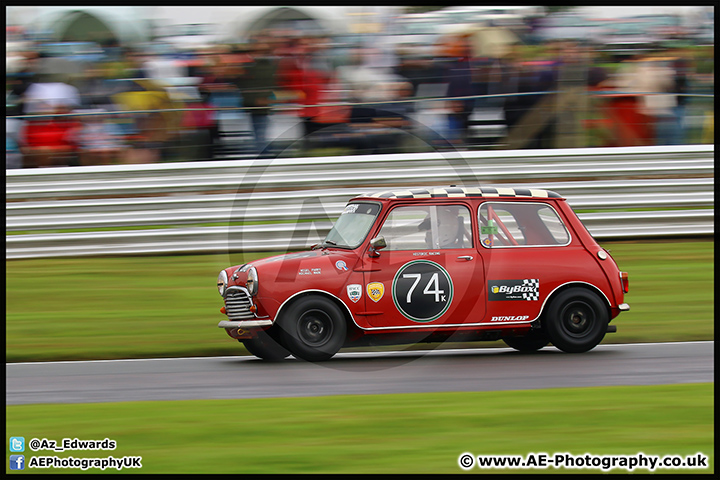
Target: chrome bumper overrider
column 624, row 307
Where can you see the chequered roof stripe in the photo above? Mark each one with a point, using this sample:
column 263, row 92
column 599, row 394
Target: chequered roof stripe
column 457, row 192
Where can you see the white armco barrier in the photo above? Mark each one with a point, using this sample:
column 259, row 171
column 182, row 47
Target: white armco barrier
column 290, row 203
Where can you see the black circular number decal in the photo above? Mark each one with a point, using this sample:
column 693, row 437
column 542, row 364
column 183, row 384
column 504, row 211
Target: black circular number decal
column 422, row 290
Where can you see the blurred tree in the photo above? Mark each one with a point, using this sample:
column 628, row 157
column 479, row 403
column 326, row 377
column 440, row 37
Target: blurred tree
column 557, row 8
column 423, row 9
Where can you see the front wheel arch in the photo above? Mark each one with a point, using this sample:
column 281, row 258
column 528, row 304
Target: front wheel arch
column 347, row 315
column 312, row 326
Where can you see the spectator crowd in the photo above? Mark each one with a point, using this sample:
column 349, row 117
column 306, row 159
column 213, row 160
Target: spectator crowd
column 138, row 107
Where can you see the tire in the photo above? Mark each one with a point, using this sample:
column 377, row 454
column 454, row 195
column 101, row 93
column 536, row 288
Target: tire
column 265, row 347
column 313, row 329
column 534, row 340
column 576, row 320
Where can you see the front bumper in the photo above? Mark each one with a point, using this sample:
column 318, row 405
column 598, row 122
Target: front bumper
column 245, row 323
column 244, row 329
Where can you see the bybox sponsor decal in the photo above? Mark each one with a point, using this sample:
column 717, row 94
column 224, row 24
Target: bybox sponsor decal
column 375, row 291
column 527, row 289
column 354, row 292
column 422, row 290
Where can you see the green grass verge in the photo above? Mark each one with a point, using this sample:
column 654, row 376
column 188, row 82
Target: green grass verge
column 129, row 307
column 402, row 433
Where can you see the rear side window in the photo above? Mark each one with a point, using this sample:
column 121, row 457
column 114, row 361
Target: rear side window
column 515, row 224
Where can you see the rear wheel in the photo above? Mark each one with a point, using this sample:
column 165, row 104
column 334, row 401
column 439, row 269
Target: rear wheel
column 265, row 347
column 576, row 320
column 313, row 328
column 534, row 340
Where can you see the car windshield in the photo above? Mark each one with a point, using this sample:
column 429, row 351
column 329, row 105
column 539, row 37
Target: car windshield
column 353, row 225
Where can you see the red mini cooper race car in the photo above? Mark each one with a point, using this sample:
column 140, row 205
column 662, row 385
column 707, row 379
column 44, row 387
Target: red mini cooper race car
column 431, row 265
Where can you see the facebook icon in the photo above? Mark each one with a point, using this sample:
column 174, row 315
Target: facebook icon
column 17, row 462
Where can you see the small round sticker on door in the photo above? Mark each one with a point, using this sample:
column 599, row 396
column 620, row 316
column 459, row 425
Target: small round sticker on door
column 422, row 290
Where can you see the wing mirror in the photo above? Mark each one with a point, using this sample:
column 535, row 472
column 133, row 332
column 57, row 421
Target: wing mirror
column 376, row 244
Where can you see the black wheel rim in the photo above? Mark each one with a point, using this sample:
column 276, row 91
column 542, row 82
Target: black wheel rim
column 315, row 328
column 578, row 319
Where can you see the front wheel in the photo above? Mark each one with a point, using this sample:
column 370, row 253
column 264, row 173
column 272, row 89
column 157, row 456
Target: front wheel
column 265, row 347
column 313, row 328
column 576, row 320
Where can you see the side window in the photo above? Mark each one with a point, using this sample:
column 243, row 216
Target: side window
column 428, row 227
column 520, row 224
column 555, row 226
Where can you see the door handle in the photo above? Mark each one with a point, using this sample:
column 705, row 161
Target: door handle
column 465, row 257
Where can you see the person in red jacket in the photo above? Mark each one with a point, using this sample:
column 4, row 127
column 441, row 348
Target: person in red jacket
column 305, row 73
column 51, row 140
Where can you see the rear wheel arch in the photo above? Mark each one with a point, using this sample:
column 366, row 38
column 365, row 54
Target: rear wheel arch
column 576, row 318
column 567, row 286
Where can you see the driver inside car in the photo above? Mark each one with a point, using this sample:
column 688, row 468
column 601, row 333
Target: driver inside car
column 450, row 229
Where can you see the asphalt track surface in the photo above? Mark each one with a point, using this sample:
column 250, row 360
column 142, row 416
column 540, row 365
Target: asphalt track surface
column 359, row 373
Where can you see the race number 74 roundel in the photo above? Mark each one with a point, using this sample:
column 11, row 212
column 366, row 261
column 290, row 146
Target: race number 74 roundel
column 422, row 290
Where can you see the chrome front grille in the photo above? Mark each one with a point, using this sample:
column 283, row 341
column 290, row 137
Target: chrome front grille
column 237, row 304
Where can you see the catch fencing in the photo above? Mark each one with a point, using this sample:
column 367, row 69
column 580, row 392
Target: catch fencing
column 290, row 203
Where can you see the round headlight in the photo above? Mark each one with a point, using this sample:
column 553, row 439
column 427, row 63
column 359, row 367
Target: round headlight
column 222, row 282
column 252, row 281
